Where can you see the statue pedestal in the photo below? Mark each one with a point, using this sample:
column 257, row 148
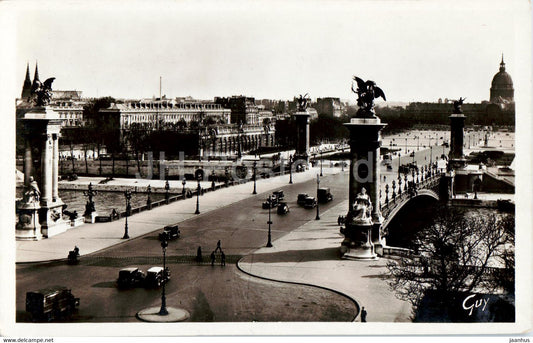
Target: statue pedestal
column 364, row 238
column 52, row 222
column 357, row 245
column 28, row 227
column 91, row 218
column 77, row 222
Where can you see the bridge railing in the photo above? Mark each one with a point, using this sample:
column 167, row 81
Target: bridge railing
column 407, row 186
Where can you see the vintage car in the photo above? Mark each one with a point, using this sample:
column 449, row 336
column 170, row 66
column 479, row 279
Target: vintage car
column 130, row 277
column 171, row 232
column 324, row 195
column 283, row 208
column 278, row 194
column 51, row 303
column 301, row 198
column 156, row 276
column 310, row 202
column 270, row 202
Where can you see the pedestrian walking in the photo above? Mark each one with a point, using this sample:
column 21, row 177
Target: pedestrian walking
column 212, row 258
column 222, row 258
column 363, row 315
column 218, row 246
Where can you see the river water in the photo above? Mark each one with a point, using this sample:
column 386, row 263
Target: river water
column 104, row 202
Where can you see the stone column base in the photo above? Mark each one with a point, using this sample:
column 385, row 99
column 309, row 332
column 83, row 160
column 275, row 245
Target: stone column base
column 357, row 244
column 91, row 218
column 28, row 227
column 58, row 227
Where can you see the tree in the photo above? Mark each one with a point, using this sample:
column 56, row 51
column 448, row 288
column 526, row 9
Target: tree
column 137, row 137
column 456, row 253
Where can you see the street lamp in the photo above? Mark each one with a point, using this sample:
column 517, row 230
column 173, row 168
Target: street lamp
column 399, row 162
column 254, row 168
column 167, row 185
column 320, row 162
column 269, row 222
column 406, row 145
column 127, row 195
column 164, row 244
column 290, row 168
column 149, row 199
column 183, row 182
column 198, row 190
column 317, row 206
column 239, row 144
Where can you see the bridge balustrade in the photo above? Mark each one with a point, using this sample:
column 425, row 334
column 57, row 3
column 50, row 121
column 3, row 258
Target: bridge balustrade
column 427, row 181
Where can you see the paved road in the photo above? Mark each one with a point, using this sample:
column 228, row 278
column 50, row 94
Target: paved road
column 208, row 293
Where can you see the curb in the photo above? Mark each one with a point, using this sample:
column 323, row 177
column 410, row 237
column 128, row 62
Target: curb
column 303, row 284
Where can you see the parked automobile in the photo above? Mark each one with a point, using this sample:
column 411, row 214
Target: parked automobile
column 283, row 208
column 156, row 276
column 104, row 157
column 279, row 194
column 51, row 303
column 272, row 202
column 301, row 198
column 324, row 195
column 310, row 202
column 130, row 277
column 171, row 232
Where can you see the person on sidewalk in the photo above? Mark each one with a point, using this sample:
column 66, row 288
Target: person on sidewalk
column 222, row 258
column 212, row 258
column 363, row 315
column 218, row 246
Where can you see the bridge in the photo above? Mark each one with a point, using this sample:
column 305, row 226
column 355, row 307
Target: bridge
column 424, row 182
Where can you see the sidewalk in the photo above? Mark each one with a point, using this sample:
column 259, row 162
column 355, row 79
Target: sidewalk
column 94, row 237
column 310, row 255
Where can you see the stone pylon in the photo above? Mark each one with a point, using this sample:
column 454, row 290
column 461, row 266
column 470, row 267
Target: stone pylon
column 363, row 236
column 457, row 158
column 301, row 155
column 40, row 212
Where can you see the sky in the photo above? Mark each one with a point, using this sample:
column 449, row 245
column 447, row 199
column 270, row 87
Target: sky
column 413, row 50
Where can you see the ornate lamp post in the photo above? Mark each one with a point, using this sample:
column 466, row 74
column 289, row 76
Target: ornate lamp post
column 167, row 185
column 198, row 190
column 213, row 180
column 254, row 167
column 317, row 206
column 149, row 199
column 269, row 222
column 239, row 143
column 164, row 244
column 290, row 168
column 320, row 162
column 399, row 162
column 127, row 195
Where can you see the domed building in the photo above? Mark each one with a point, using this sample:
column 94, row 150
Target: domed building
column 502, row 91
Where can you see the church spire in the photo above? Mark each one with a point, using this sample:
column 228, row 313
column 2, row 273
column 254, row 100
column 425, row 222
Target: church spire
column 502, row 64
column 26, row 88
